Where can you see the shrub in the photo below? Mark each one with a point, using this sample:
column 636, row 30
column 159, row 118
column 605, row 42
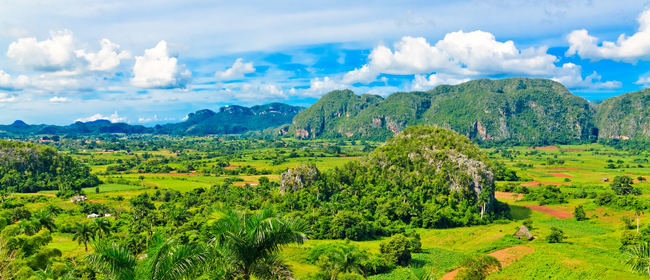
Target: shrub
column 579, row 213
column 396, row 250
column 622, row 185
column 556, row 236
column 478, row 267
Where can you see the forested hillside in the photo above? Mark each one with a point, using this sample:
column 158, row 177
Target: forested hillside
column 535, row 111
column 625, row 117
column 27, row 167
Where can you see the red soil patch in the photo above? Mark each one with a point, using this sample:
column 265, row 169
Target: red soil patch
column 231, row 167
column 241, row 184
column 548, row 210
column 508, row 195
column 574, row 150
column 560, row 175
column 536, row 184
column 505, row 256
column 546, row 148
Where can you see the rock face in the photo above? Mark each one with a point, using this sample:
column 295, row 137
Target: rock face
column 524, row 233
column 625, row 117
column 535, row 111
column 295, row 179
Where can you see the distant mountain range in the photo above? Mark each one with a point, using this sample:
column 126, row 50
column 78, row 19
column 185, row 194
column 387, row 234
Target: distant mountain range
column 515, row 110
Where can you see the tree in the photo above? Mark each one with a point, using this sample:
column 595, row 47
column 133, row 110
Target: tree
column 83, row 234
column 396, row 250
column 637, row 258
column 478, row 267
column 556, row 236
column 44, row 218
column 102, row 227
column 579, row 213
column 638, row 211
column 337, row 258
column 165, row 259
column 622, row 185
column 250, row 242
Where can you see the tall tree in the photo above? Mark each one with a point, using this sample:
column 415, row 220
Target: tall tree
column 249, row 242
column 102, row 227
column 83, row 234
column 638, row 258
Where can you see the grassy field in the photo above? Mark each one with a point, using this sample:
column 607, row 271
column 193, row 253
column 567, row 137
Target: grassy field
column 590, row 251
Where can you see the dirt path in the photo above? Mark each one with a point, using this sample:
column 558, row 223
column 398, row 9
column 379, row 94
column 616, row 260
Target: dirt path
column 241, row 184
column 505, row 256
column 548, row 210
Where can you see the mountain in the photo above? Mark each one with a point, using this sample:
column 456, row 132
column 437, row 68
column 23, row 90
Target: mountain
column 624, row 117
column 233, row 120
column 229, row 120
column 535, row 111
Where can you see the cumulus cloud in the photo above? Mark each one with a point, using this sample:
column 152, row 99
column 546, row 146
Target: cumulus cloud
column 106, row 59
column 156, row 69
column 570, row 75
column 628, row 49
column 459, row 53
column 4, row 98
column 237, row 71
column 421, row 82
column 9, row 83
column 57, row 99
column 51, row 54
column 461, row 56
column 114, row 118
column 254, row 92
column 643, row 81
column 318, row 87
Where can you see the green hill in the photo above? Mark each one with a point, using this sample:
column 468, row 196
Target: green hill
column 535, row 111
column 625, row 117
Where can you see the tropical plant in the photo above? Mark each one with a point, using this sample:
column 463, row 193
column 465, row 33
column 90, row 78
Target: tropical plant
column 478, row 267
column 102, row 227
column 637, row 258
column 83, row 234
column 249, row 242
column 164, row 259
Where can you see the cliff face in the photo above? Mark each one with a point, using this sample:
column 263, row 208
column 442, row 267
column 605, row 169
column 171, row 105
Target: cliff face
column 625, row 117
column 521, row 110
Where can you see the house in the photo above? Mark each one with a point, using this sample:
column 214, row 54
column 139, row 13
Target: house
column 605, row 179
column 93, row 215
column 78, row 198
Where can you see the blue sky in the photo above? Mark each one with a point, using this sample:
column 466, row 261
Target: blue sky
column 149, row 62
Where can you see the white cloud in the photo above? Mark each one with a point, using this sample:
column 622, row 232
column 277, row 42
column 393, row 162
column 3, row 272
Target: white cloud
column 628, row 49
column 57, row 99
column 318, row 87
column 4, row 98
column 237, row 71
column 106, row 59
column 459, row 53
column 254, row 92
column 570, row 75
column 156, row 69
column 114, row 118
column 643, row 81
column 51, row 54
column 421, row 82
column 7, row 83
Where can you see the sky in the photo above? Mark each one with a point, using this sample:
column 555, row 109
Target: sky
column 150, row 62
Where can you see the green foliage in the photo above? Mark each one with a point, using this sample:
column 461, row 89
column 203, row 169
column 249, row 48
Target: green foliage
column 622, row 185
column 637, row 258
column 625, row 116
column 339, row 259
column 579, row 213
column 396, row 250
column 547, row 195
column 556, row 235
column 478, row 267
column 26, row 167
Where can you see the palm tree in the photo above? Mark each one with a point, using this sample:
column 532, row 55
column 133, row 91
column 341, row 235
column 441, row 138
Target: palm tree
column 249, row 242
column 83, row 234
column 102, row 227
column 638, row 211
column 45, row 219
column 638, row 258
column 165, row 259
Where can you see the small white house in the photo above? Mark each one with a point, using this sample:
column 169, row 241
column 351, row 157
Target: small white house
column 78, row 198
column 93, row 215
column 107, row 215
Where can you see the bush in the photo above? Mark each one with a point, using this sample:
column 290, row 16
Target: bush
column 556, row 236
column 579, row 213
column 628, row 222
column 396, row 250
column 478, row 267
column 622, row 185
column 629, row 238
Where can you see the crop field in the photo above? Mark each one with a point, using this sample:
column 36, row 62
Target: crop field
column 590, row 250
